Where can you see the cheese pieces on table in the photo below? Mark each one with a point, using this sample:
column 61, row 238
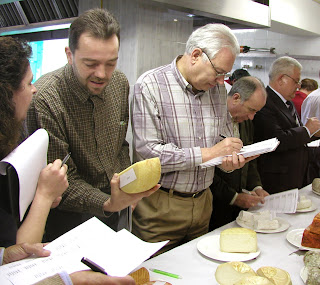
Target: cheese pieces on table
column 276, row 275
column 232, row 272
column 254, row 280
column 239, row 273
column 239, row 240
column 264, row 220
column 141, row 176
column 303, row 203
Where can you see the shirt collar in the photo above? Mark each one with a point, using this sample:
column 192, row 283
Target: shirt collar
column 280, row 96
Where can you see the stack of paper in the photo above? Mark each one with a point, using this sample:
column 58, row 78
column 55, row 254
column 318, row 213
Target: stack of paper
column 118, row 253
column 247, row 151
column 283, row 202
column 315, row 143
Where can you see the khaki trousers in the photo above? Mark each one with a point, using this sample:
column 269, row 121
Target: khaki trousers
column 165, row 216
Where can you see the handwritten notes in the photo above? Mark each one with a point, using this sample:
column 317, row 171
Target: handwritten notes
column 117, row 252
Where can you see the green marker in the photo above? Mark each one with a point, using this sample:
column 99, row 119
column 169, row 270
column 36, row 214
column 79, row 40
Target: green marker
column 165, row 273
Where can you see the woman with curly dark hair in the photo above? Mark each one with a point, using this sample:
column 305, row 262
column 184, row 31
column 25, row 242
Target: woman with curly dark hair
column 16, row 91
column 14, row 66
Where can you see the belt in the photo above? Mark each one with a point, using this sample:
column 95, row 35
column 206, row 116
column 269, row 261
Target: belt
column 181, row 194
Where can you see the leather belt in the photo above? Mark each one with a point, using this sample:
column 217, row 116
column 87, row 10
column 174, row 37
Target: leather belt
column 185, row 195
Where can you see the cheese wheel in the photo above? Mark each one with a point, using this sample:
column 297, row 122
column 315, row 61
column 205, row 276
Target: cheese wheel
column 254, row 280
column 276, row 275
column 141, row 176
column 232, row 272
column 316, row 185
column 238, row 240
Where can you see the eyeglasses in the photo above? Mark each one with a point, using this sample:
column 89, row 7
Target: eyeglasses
column 295, row 81
column 218, row 74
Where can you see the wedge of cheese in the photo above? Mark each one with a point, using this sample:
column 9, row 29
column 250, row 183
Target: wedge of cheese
column 238, row 240
column 276, row 275
column 232, row 272
column 141, row 176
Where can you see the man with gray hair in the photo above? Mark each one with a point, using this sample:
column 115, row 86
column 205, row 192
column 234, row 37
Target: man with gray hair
column 287, row 167
column 178, row 111
column 246, row 97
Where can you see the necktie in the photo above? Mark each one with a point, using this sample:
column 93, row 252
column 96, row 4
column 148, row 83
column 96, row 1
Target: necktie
column 292, row 111
column 236, row 133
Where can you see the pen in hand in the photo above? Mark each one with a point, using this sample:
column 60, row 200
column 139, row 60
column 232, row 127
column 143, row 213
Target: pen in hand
column 65, row 159
column 93, row 266
column 222, row 136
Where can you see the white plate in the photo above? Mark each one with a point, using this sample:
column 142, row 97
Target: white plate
column 304, row 274
column 295, row 236
column 284, row 225
column 210, row 247
column 309, row 209
column 315, row 192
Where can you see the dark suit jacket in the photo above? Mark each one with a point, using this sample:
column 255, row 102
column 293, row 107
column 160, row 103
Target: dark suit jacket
column 286, row 167
column 225, row 185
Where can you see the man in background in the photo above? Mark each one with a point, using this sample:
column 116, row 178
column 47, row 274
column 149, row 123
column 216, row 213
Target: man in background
column 84, row 108
column 237, row 74
column 307, row 86
column 286, row 167
column 246, row 97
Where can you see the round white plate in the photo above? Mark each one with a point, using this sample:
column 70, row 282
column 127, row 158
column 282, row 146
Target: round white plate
column 309, row 209
column 210, row 247
column 315, row 192
column 284, row 225
column 304, row 274
column 295, row 236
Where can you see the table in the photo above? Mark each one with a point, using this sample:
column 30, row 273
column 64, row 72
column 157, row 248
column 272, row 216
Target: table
column 195, row 268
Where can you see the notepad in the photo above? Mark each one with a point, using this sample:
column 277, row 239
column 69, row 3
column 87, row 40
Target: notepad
column 28, row 159
column 247, row 151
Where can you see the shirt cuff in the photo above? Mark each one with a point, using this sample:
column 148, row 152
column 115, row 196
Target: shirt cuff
column 65, row 278
column 1, row 255
column 310, row 135
column 256, row 188
column 234, row 198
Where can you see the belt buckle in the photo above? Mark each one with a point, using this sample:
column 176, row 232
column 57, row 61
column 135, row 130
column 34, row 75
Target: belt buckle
column 195, row 194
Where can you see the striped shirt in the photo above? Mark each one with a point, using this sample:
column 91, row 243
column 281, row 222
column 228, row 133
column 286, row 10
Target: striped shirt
column 173, row 123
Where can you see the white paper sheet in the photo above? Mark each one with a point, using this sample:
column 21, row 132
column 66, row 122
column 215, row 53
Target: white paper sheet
column 28, row 159
column 117, row 252
column 283, row 202
column 247, row 151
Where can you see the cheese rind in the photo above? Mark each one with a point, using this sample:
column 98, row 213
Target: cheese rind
column 240, row 240
column 147, row 173
column 232, row 272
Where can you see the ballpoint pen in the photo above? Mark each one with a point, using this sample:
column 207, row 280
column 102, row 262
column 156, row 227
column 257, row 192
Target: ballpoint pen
column 246, row 191
column 165, row 273
column 93, row 266
column 65, row 159
column 222, row 136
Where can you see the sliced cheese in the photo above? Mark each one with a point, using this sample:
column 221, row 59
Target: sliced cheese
column 266, row 224
column 232, row 272
column 141, row 176
column 304, row 203
column 254, row 280
column 276, row 275
column 238, row 240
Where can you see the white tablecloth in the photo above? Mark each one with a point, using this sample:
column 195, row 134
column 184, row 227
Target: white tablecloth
column 195, row 268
